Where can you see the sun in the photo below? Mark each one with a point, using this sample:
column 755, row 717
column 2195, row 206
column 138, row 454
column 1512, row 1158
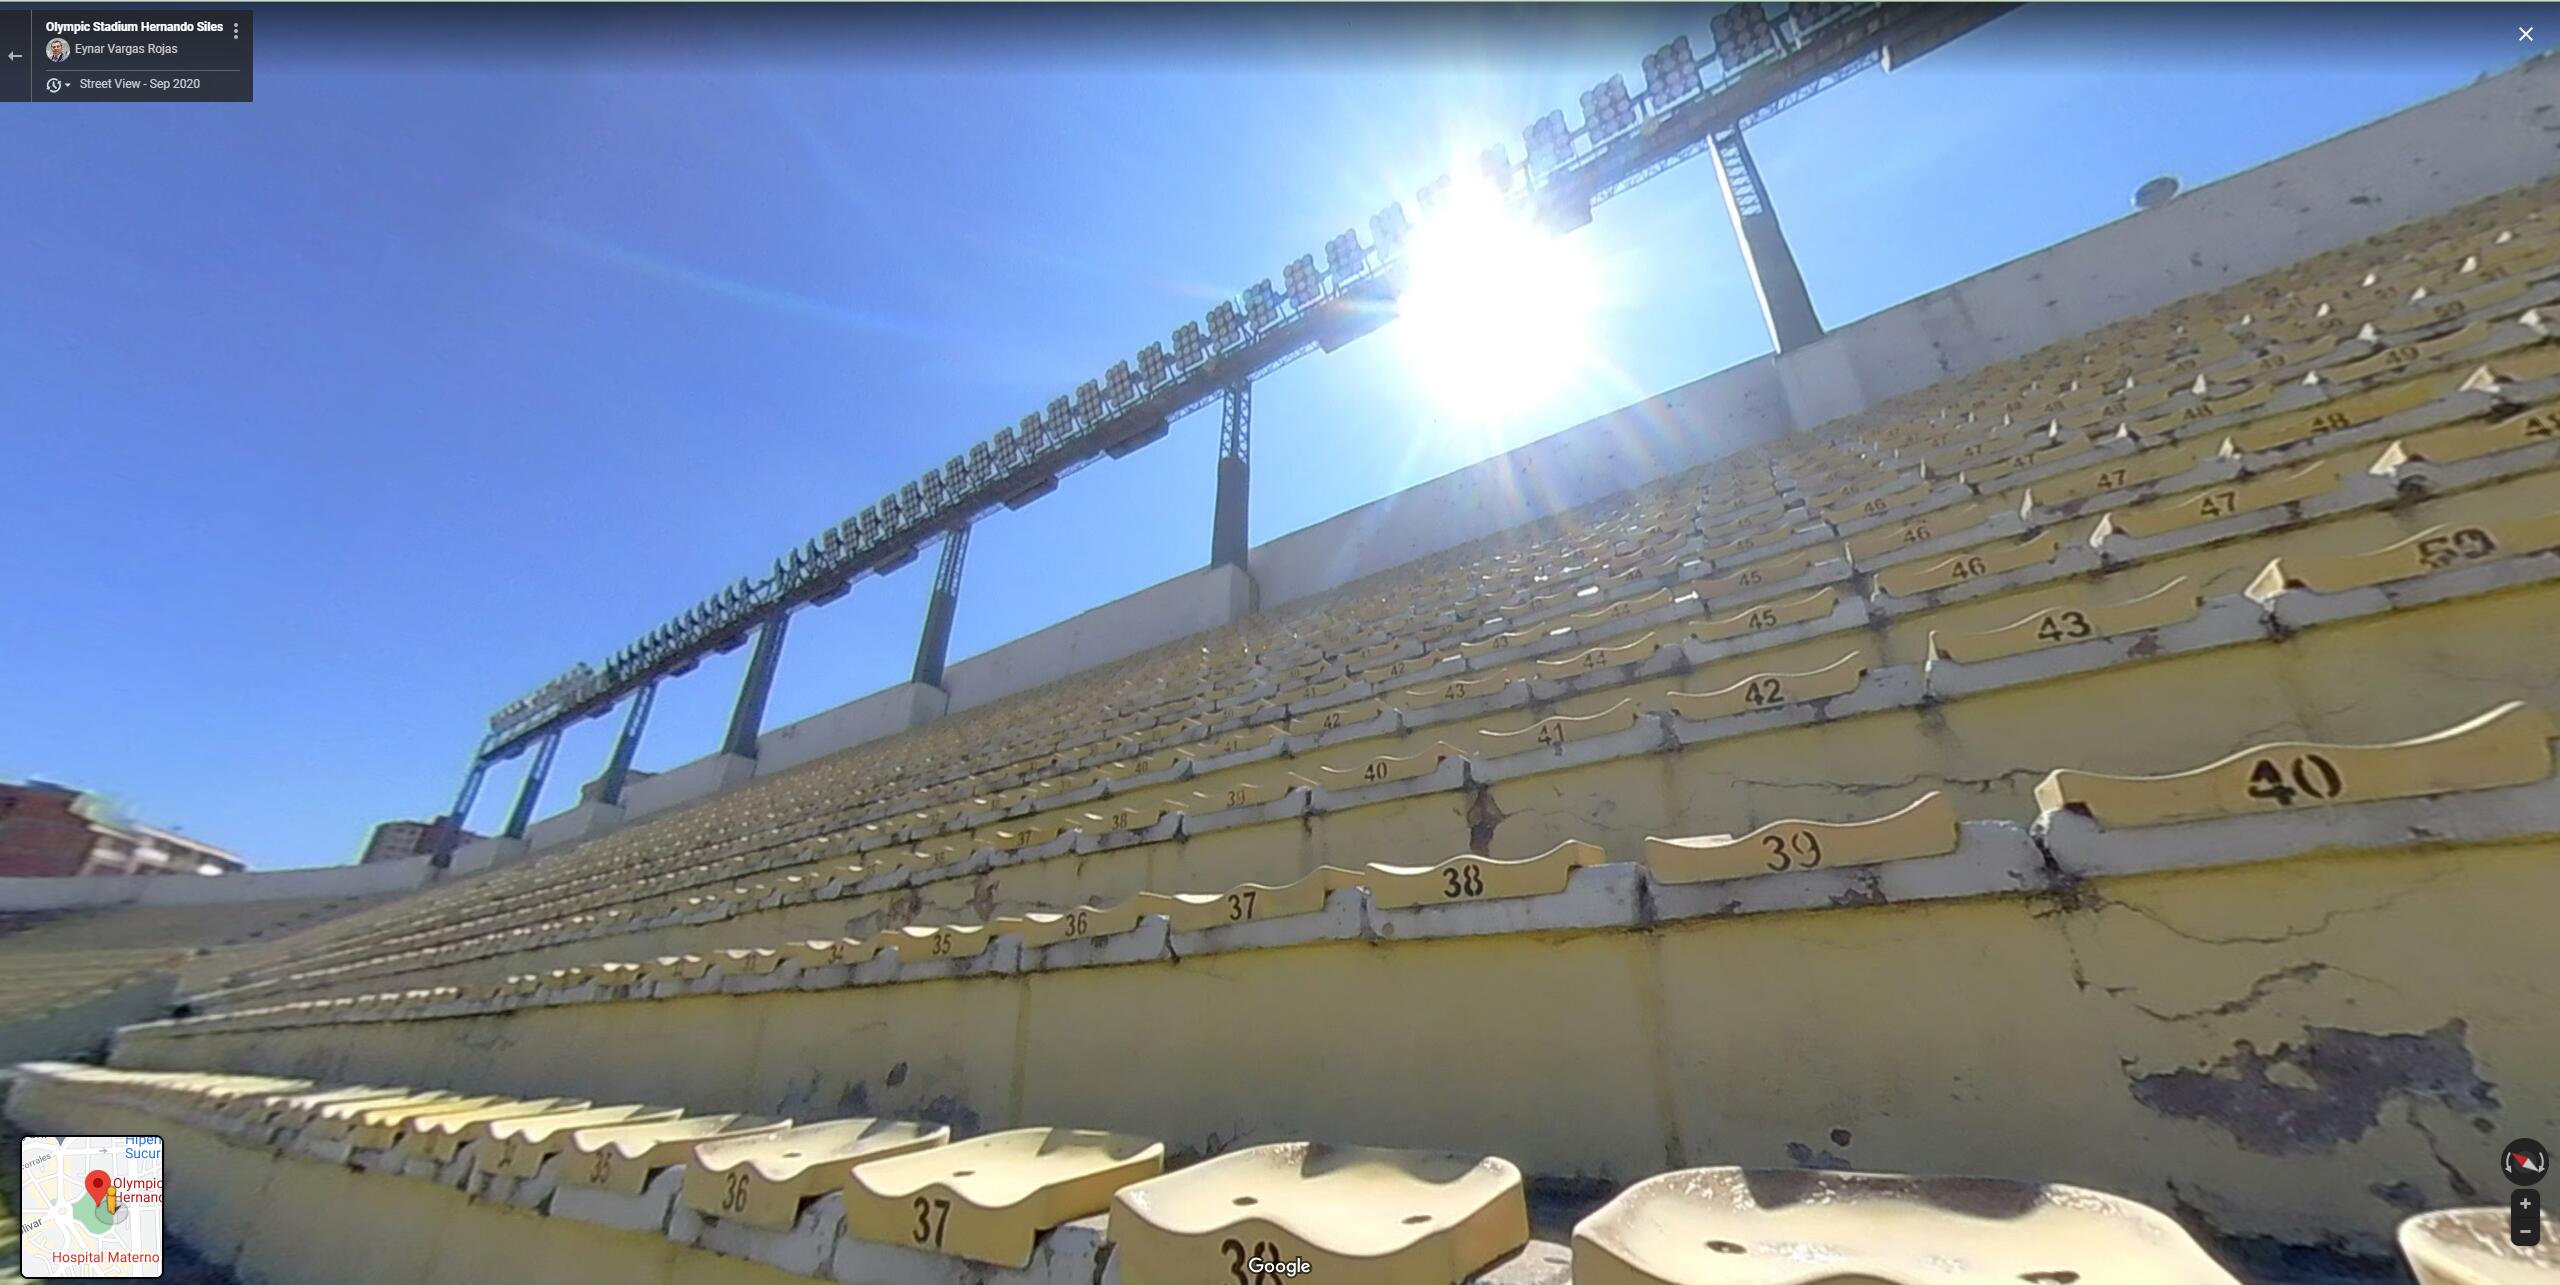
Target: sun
column 1495, row 311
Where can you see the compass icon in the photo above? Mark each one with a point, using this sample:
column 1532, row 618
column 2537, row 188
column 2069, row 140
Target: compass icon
column 2525, row 1162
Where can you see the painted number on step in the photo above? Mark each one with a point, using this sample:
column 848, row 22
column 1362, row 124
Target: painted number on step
column 733, row 1192
column 1793, row 850
column 2057, row 626
column 2310, row 775
column 1463, row 881
column 1239, row 905
column 2468, row 544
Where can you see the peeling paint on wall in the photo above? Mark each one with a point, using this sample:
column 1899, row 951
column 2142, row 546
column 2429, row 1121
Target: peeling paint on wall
column 2262, row 1101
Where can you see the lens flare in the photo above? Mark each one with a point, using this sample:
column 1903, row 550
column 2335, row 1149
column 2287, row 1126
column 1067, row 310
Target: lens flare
column 1494, row 316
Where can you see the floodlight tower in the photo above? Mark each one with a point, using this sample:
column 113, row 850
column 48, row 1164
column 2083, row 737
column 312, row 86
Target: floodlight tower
column 746, row 718
column 935, row 646
column 1228, row 532
column 617, row 769
column 1765, row 66
column 530, row 792
column 1784, row 304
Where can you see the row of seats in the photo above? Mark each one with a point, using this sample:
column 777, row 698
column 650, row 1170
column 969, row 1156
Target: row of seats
column 2508, row 746
column 1954, row 665
column 2176, row 396
column 60, row 959
column 871, row 1200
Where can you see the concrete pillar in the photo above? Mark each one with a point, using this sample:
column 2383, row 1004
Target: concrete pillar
column 531, row 791
column 935, row 646
column 1783, row 301
column 448, row 834
column 746, row 718
column 617, row 769
column 1228, row 531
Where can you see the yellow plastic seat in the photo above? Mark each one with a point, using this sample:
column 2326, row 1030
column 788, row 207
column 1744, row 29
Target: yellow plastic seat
column 1777, row 570
column 2214, row 503
column 1918, row 529
column 1044, row 928
column 1634, row 652
column 989, row 1198
column 1728, row 1226
column 2472, row 1247
column 2060, row 624
column 2350, row 411
column 2509, row 745
column 326, row 1116
column 1468, row 877
column 937, row 941
column 1771, row 690
column 825, row 953
column 761, row 1179
column 621, row 1157
column 2151, row 464
column 440, row 1135
column 1355, row 1215
column 1554, row 733
column 1457, row 689
column 1812, row 606
column 1195, row 911
column 2438, row 548
column 1242, row 794
column 1382, row 769
column 1972, row 564
column 2456, row 443
column 522, row 1143
column 1927, row 827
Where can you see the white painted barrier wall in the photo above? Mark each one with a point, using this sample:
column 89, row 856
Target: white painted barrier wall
column 1177, row 608
column 2477, row 141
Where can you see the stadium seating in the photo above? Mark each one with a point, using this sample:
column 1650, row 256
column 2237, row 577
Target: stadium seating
column 494, row 1189
column 2050, row 768
column 54, row 965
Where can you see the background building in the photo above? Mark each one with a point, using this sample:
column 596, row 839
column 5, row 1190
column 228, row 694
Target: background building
column 397, row 840
column 55, row 831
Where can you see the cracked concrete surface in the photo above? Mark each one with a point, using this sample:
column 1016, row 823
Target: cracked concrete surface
column 2342, row 1079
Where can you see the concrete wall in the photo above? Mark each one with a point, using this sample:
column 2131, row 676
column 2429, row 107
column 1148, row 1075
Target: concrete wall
column 1178, row 608
column 184, row 890
column 699, row 779
column 882, row 713
column 2270, row 1046
column 2474, row 142
column 1642, row 443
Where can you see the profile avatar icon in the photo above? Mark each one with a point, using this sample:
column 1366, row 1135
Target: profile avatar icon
column 57, row 50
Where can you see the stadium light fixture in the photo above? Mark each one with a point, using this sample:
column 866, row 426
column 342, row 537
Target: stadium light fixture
column 1549, row 143
column 1670, row 74
column 1344, row 258
column 1300, row 279
column 1226, row 328
column 1607, row 111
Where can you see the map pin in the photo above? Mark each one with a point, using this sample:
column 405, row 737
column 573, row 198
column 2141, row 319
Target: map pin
column 100, row 1185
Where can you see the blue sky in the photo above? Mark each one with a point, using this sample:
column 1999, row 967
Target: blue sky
column 485, row 340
